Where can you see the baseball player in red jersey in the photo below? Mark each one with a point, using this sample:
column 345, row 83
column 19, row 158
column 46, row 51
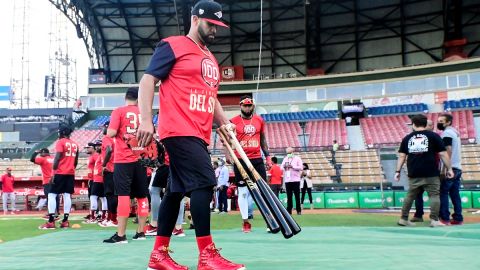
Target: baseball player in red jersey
column 250, row 129
column 188, row 106
column 129, row 176
column 108, row 147
column 98, row 190
column 45, row 161
column 93, row 155
column 64, row 164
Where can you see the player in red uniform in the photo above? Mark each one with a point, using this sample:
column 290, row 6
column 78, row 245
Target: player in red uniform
column 190, row 77
column 7, row 190
column 251, row 135
column 45, row 161
column 108, row 147
column 93, row 155
column 129, row 176
column 64, row 164
column 98, row 191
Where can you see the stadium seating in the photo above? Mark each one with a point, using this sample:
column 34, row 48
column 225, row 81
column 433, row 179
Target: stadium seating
column 283, row 134
column 101, row 119
column 83, row 136
column 385, row 130
column 398, row 109
column 461, row 104
column 300, row 116
column 322, row 133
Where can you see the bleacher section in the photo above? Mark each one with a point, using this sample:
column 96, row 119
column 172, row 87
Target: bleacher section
column 300, row 116
column 398, row 109
column 84, row 136
column 100, row 121
column 357, row 167
column 471, row 162
column 461, row 104
column 282, row 134
column 389, row 130
column 322, row 133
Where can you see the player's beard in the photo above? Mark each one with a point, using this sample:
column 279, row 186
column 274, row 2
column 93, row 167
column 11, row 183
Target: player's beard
column 204, row 37
column 247, row 114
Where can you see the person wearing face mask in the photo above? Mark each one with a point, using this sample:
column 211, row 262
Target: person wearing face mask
column 450, row 186
column 306, row 184
column 292, row 167
column 250, row 130
column 419, row 149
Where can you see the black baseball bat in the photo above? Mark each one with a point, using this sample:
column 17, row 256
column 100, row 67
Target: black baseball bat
column 270, row 197
column 253, row 189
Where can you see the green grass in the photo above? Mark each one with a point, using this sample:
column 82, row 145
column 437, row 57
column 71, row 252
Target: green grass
column 14, row 228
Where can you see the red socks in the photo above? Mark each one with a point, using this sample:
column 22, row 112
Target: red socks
column 203, row 242
column 161, row 241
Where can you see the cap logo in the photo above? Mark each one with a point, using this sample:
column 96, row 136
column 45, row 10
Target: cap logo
column 218, row 14
column 201, row 11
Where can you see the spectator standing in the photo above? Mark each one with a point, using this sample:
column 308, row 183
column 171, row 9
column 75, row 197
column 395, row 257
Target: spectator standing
column 7, row 191
column 450, row 186
column 292, row 167
column 420, row 146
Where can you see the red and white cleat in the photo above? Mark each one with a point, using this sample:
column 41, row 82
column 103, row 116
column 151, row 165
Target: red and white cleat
column 161, row 260
column 150, row 230
column 47, row 226
column 65, row 224
column 210, row 259
column 247, row 227
column 178, row 233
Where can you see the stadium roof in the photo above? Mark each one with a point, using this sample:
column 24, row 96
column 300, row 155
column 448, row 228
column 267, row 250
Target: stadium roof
column 336, row 36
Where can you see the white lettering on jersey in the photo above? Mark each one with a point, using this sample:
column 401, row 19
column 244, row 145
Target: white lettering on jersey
column 210, row 73
column 418, row 144
column 197, row 103
column 249, row 130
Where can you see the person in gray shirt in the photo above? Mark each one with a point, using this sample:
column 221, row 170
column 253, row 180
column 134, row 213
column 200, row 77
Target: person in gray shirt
column 451, row 186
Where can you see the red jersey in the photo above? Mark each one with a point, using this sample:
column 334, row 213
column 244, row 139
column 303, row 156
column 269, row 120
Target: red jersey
column 69, row 150
column 107, row 141
column 124, row 120
column 248, row 134
column 275, row 175
column 190, row 77
column 97, row 172
column 7, row 183
column 91, row 164
column 46, row 165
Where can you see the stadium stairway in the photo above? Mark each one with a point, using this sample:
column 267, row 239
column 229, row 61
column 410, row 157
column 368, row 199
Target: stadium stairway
column 355, row 138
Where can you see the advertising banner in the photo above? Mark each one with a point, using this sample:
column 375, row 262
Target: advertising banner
column 374, row 199
column 341, row 200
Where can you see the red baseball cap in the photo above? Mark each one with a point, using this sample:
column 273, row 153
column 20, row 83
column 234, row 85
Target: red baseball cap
column 246, row 101
column 210, row 11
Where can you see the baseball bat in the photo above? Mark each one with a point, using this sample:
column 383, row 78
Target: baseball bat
column 253, row 188
column 264, row 188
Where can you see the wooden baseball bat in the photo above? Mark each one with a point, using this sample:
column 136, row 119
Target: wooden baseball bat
column 253, row 188
column 271, row 198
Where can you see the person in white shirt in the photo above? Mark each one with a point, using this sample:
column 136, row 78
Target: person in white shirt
column 306, row 184
column 222, row 186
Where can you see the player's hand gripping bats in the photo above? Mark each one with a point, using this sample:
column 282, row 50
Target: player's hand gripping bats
column 269, row 205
